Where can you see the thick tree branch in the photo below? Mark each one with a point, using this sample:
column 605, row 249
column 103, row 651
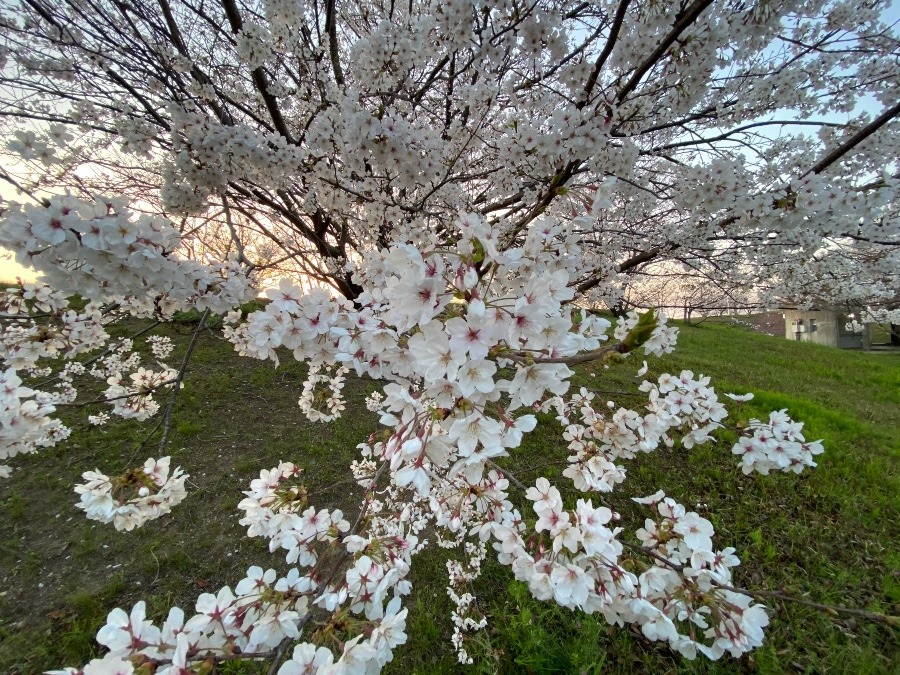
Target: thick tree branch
column 331, row 29
column 614, row 29
column 260, row 79
column 691, row 14
column 855, row 139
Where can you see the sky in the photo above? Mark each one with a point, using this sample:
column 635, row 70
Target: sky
column 9, row 268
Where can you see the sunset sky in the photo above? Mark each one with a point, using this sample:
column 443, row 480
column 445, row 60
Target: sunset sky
column 9, row 269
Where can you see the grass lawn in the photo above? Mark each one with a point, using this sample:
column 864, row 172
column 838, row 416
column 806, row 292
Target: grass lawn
column 831, row 535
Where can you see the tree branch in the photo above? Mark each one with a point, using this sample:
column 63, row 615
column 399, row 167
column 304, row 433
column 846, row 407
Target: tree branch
column 887, row 619
column 607, row 50
column 689, row 17
column 331, row 29
column 855, row 139
column 584, row 357
column 260, row 80
column 170, row 408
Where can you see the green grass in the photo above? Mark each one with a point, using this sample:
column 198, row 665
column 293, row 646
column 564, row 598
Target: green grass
column 829, row 535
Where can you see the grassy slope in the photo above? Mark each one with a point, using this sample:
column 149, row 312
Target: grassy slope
column 829, row 535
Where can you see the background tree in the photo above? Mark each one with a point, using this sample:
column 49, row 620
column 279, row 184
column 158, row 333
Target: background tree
column 686, row 293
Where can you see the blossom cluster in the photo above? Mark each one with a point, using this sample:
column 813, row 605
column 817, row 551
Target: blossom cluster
column 207, row 155
column 689, row 586
column 120, row 357
column 317, row 405
column 776, row 445
column 661, row 340
column 25, row 424
column 261, row 612
column 26, row 345
column 60, row 331
column 881, row 315
column 583, row 565
column 332, row 147
column 160, row 345
column 133, row 398
column 378, row 563
column 465, row 617
column 273, row 509
column 683, row 404
column 472, row 182
column 105, row 252
column 28, row 145
column 131, row 500
column 42, row 328
column 359, row 655
column 410, row 325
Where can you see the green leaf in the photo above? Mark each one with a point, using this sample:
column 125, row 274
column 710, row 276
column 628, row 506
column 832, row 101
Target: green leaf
column 641, row 332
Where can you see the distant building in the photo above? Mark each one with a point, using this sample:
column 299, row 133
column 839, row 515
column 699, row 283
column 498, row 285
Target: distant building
column 825, row 327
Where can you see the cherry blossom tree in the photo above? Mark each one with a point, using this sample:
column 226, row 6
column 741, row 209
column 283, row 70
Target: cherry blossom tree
column 683, row 291
column 461, row 181
column 716, row 134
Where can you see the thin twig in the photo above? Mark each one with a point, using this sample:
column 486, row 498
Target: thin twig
column 170, row 408
column 279, row 653
column 234, row 235
column 23, row 317
column 653, row 554
column 509, row 475
column 617, row 393
column 887, row 619
column 146, row 440
column 134, row 394
column 559, row 462
column 369, row 488
column 99, row 356
column 332, row 486
column 221, row 658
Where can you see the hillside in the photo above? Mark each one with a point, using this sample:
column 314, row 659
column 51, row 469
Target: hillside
column 829, row 536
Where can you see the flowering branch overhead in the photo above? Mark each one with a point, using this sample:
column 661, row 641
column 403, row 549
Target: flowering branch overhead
column 437, row 198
